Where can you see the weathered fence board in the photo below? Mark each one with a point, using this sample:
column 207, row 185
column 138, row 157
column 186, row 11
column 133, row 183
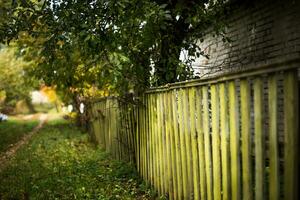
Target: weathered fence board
column 224, row 125
column 216, row 142
column 234, row 142
column 246, row 139
column 259, row 139
column 194, row 145
column 273, row 139
column 232, row 137
column 291, row 134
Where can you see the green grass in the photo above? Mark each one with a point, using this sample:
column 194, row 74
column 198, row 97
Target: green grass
column 60, row 163
column 12, row 131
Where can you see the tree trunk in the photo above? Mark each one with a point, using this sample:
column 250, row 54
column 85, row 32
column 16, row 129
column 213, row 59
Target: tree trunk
column 172, row 38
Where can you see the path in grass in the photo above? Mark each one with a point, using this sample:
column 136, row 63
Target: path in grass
column 16, row 133
column 60, row 163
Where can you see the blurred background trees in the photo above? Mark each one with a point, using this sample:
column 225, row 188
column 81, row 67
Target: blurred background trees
column 15, row 86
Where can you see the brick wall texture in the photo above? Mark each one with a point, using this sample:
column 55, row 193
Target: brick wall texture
column 262, row 32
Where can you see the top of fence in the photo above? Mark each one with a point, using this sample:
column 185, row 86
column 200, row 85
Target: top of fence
column 252, row 71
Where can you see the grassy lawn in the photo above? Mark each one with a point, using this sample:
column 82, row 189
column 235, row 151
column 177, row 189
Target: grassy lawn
column 60, row 163
column 12, row 131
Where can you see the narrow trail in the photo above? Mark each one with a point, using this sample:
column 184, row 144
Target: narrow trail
column 10, row 153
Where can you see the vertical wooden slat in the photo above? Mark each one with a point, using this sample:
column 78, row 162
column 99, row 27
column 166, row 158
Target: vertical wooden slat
column 109, row 126
column 96, row 123
column 179, row 185
column 162, row 144
column 182, row 144
column 142, row 139
column 117, row 124
column 153, row 113
column 153, row 138
column 130, row 138
column 207, row 145
column 106, row 131
column 126, row 135
column 98, row 126
column 187, row 138
column 157, row 145
column 102, row 123
column 159, row 154
column 273, row 138
column 166, row 145
column 129, row 144
column 215, row 112
column 137, row 135
column 200, row 139
column 234, row 142
column 291, row 135
column 112, row 125
column 224, row 125
column 173, row 163
column 145, row 158
column 145, row 140
column 195, row 164
column 246, row 139
column 259, row 139
column 150, row 139
column 168, row 168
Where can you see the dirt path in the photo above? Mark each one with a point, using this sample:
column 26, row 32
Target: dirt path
column 7, row 155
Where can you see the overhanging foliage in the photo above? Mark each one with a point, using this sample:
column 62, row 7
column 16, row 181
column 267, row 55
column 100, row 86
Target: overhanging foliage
column 115, row 45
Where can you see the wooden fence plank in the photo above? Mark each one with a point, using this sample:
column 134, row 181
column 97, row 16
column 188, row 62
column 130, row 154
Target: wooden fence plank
column 182, row 144
column 157, row 145
column 179, row 187
column 234, row 142
column 195, row 156
column 160, row 157
column 150, row 164
column 215, row 117
column 152, row 109
column 106, row 125
column 246, row 139
column 130, row 136
column 291, row 134
column 200, row 139
column 207, row 144
column 168, row 168
column 117, row 111
column 137, row 135
column 224, row 125
column 259, row 139
column 163, row 146
column 173, row 164
column 153, row 113
column 141, row 135
column 101, row 124
column 112, row 126
column 145, row 160
column 187, row 138
column 273, row 138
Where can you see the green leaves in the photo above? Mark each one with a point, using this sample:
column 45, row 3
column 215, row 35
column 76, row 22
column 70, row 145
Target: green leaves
column 149, row 34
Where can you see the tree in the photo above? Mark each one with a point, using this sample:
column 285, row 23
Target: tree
column 124, row 44
column 14, row 85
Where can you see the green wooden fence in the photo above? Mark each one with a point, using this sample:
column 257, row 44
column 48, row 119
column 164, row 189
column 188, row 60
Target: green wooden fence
column 230, row 137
